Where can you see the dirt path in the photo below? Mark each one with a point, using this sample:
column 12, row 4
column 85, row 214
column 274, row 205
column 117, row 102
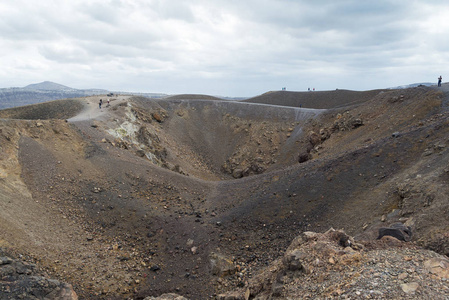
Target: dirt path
column 445, row 89
column 91, row 108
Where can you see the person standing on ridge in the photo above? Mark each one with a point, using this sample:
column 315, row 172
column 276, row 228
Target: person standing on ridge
column 100, row 103
column 439, row 80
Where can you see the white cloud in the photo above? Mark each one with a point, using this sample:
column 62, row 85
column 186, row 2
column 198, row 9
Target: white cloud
column 225, row 47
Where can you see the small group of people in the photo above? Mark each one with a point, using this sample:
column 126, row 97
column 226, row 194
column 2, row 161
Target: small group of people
column 101, row 103
column 440, row 79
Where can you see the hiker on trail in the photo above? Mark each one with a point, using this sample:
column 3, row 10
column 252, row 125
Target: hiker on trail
column 100, row 103
column 439, row 80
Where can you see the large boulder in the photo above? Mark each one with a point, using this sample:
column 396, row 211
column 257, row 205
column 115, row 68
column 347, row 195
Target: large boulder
column 304, row 156
column 314, row 138
column 396, row 230
column 221, row 265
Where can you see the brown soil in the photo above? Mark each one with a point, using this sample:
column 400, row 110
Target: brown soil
column 131, row 200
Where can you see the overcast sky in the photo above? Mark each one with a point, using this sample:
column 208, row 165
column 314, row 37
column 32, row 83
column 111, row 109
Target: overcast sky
column 223, row 47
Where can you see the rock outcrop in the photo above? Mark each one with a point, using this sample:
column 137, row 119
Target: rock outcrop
column 19, row 280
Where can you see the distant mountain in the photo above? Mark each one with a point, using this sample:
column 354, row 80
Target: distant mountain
column 47, row 91
column 41, row 92
column 48, row 86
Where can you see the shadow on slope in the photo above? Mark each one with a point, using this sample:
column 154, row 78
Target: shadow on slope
column 320, row 100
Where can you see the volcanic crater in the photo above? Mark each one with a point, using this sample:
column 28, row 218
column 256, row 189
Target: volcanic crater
column 193, row 194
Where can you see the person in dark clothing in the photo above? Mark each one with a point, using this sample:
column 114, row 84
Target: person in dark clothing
column 100, row 103
column 439, row 80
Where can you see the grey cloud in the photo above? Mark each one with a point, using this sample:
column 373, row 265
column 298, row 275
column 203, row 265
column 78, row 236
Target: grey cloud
column 15, row 26
column 64, row 53
column 178, row 10
column 224, row 42
column 102, row 12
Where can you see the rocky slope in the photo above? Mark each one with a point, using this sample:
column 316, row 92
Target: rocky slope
column 198, row 196
column 21, row 280
column 332, row 265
